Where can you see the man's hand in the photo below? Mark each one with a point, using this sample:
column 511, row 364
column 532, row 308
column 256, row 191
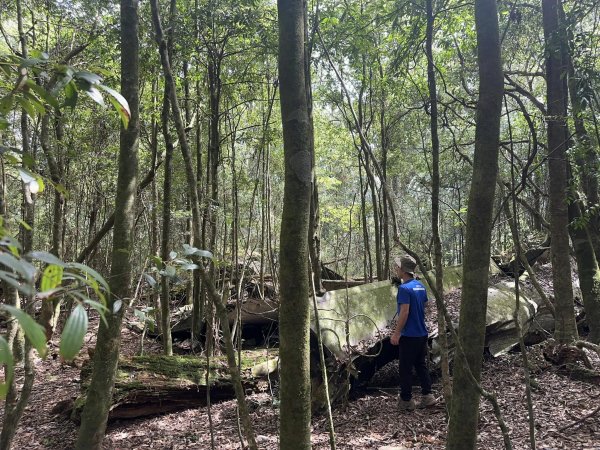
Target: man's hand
column 395, row 339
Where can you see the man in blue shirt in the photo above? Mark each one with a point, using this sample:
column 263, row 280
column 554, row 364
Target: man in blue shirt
column 411, row 334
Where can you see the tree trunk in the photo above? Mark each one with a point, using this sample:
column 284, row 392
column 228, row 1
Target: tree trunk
column 435, row 200
column 165, row 312
column 294, row 319
column 462, row 432
column 566, row 328
column 589, row 273
column 106, row 356
column 50, row 309
column 192, row 187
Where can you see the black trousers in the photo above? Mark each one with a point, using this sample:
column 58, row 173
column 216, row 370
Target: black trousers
column 413, row 352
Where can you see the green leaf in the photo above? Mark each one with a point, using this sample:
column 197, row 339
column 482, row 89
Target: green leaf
column 189, row 250
column 172, row 255
column 95, row 95
column 119, row 103
column 97, row 306
column 43, row 93
column 91, row 272
column 26, row 175
column 33, row 330
column 24, row 224
column 24, row 288
column 151, row 281
column 6, row 360
column 6, row 104
column 71, row 95
column 28, row 106
column 48, row 258
column 21, row 267
column 52, row 277
column 72, row 336
column 90, row 77
column 62, row 189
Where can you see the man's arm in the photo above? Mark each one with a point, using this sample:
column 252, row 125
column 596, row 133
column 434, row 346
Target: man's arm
column 402, row 317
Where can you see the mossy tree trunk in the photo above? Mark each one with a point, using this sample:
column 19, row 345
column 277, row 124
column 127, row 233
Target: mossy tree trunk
column 462, row 433
column 566, row 329
column 106, row 356
column 294, row 318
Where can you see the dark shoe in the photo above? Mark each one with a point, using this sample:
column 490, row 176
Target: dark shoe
column 406, row 405
column 427, row 401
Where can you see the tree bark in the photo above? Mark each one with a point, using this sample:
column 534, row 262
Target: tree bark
column 106, row 356
column 435, row 199
column 165, row 313
column 207, row 281
column 566, row 328
column 589, row 272
column 294, row 318
column 464, row 415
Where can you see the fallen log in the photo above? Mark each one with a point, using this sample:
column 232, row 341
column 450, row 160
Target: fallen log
column 157, row 384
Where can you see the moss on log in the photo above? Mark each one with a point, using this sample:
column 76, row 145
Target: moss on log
column 157, row 384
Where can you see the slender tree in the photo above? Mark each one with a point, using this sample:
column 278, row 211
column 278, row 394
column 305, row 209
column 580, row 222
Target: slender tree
column 294, row 318
column 435, row 195
column 566, row 328
column 106, row 356
column 462, row 432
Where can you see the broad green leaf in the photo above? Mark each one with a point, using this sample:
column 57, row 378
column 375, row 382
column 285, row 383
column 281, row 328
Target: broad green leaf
column 24, row 224
column 50, row 293
column 28, row 106
column 151, row 281
column 189, row 250
column 48, row 258
column 119, row 103
column 21, row 267
column 33, row 330
column 172, row 255
column 156, row 260
column 43, row 93
column 26, row 175
column 170, row 271
column 203, row 253
column 62, row 189
column 6, row 360
column 95, row 95
column 91, row 272
column 6, row 104
column 35, row 102
column 72, row 336
column 71, row 95
column 24, row 288
column 90, row 77
column 52, row 277
column 190, row 266
column 97, row 306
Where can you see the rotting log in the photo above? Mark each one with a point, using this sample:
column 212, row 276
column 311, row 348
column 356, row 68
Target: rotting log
column 157, row 384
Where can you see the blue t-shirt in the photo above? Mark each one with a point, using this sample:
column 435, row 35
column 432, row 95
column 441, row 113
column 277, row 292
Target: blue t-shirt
column 414, row 294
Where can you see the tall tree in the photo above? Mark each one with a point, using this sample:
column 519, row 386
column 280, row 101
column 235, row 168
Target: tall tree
column 106, row 356
column 462, row 432
column 294, row 318
column 435, row 194
column 566, row 328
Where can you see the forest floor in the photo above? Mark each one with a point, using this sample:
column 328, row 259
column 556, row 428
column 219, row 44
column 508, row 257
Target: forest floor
column 561, row 406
